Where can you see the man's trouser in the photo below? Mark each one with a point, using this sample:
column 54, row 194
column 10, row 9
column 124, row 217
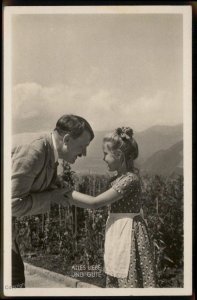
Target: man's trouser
column 18, row 274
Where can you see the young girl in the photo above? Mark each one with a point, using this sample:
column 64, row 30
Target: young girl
column 128, row 260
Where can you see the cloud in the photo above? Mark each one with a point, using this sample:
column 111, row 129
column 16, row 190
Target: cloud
column 24, row 97
column 160, row 108
column 37, row 108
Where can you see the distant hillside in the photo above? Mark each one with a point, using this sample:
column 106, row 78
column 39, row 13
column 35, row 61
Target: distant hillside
column 150, row 141
column 165, row 162
column 158, row 138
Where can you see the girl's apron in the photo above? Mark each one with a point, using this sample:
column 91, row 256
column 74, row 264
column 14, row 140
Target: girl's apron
column 118, row 244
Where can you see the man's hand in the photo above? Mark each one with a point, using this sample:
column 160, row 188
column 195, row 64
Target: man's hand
column 59, row 196
column 68, row 197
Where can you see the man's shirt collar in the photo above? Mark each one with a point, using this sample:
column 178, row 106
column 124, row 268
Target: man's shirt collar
column 55, row 148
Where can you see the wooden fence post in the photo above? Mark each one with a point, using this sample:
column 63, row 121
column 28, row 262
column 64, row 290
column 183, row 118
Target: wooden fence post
column 93, row 185
column 65, row 218
column 60, row 219
column 42, row 223
column 75, row 220
column 157, row 205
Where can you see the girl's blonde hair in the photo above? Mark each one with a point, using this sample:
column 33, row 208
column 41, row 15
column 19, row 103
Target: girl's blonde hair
column 121, row 142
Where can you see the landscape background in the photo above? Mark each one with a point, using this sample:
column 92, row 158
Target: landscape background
column 160, row 151
column 114, row 70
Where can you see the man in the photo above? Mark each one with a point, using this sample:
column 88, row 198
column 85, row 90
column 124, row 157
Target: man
column 34, row 173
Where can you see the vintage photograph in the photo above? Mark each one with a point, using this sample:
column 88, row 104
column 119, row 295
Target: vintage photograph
column 97, row 150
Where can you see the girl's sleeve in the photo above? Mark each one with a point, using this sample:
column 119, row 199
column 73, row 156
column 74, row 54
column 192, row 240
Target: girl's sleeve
column 127, row 184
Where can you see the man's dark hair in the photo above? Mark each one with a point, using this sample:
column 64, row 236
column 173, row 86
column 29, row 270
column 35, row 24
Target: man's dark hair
column 74, row 125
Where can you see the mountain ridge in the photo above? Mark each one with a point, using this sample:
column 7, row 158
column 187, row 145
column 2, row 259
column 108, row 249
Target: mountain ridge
column 150, row 141
column 165, row 162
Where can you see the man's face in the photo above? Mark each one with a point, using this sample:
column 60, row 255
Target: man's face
column 72, row 148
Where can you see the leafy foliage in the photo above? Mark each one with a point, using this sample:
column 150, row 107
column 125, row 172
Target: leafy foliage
column 77, row 235
column 163, row 209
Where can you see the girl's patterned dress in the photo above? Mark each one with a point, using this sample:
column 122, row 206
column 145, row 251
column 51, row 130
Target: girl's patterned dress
column 141, row 272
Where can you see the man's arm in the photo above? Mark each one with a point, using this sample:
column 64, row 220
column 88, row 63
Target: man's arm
column 38, row 203
column 27, row 162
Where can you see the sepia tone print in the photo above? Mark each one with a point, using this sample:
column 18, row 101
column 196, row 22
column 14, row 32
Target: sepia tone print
column 99, row 134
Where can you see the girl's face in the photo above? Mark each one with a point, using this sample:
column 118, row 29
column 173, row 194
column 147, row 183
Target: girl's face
column 112, row 161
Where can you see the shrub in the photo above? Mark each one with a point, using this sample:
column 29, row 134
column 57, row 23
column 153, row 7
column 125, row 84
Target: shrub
column 77, row 235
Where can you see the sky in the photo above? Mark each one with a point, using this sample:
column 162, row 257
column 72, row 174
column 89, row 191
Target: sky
column 114, row 70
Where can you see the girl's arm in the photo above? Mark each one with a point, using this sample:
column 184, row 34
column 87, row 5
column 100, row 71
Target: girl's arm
column 86, row 201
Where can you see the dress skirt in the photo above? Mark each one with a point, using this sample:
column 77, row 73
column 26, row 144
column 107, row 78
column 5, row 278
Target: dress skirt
column 141, row 271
